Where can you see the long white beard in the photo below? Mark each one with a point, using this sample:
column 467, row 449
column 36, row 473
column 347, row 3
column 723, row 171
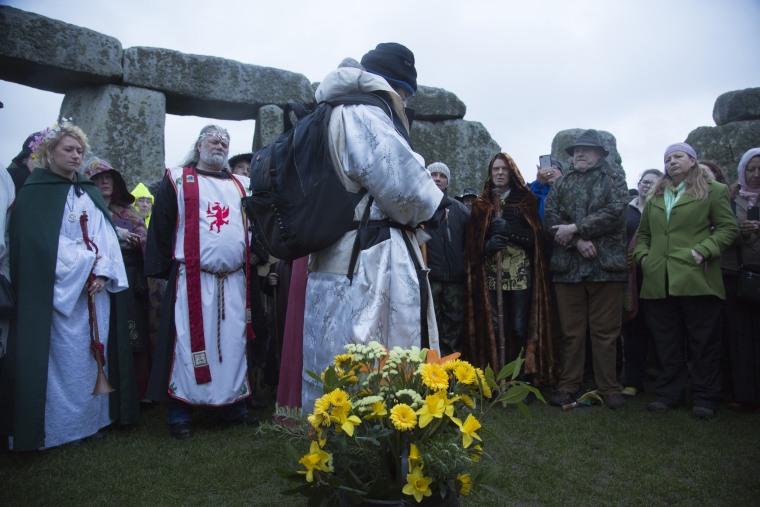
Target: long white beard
column 212, row 159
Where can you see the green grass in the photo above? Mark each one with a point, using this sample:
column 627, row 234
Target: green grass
column 586, row 457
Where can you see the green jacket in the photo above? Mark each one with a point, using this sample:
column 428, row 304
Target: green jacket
column 706, row 226
column 34, row 231
column 596, row 202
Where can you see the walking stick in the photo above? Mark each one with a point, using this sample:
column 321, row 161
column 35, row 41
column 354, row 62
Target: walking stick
column 102, row 386
column 496, row 201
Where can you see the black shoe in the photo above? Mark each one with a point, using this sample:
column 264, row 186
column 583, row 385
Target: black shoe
column 560, row 398
column 256, row 404
column 658, row 406
column 245, row 420
column 614, row 401
column 703, row 412
column 182, row 430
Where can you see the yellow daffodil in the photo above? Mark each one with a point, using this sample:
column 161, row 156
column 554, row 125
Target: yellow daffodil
column 434, row 376
column 466, row 483
column 434, row 407
column 317, row 459
column 378, row 410
column 476, row 452
column 467, row 400
column 349, row 423
column 403, row 417
column 414, row 457
column 417, row 485
column 468, row 429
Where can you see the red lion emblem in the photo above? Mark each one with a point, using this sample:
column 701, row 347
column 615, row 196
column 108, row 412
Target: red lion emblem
column 219, row 213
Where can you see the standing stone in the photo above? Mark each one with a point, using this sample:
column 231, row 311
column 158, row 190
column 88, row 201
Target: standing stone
column 726, row 144
column 268, row 126
column 465, row 146
column 124, row 125
column 566, row 138
column 738, row 105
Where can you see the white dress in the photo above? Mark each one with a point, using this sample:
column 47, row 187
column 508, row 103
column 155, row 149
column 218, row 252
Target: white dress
column 223, row 252
column 383, row 302
column 72, row 412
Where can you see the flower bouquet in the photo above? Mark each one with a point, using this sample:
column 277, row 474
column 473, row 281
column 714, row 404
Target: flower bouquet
column 399, row 427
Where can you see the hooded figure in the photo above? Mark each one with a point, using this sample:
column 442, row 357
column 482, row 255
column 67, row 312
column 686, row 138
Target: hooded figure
column 142, row 192
column 481, row 344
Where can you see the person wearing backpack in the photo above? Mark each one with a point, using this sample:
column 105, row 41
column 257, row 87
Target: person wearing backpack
column 386, row 296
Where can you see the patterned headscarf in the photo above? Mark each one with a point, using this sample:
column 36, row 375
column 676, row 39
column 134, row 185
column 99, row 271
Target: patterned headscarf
column 749, row 193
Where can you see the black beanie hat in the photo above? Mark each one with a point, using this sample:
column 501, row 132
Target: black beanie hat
column 394, row 62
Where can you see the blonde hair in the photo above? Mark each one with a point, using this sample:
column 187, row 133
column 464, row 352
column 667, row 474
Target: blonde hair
column 45, row 143
column 695, row 182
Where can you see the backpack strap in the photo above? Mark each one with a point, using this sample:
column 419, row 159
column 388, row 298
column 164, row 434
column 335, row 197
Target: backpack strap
column 357, row 246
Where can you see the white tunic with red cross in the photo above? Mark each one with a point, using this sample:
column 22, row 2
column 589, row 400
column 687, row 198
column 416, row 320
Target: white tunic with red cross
column 223, row 250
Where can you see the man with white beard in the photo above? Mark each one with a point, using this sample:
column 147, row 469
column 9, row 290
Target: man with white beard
column 198, row 240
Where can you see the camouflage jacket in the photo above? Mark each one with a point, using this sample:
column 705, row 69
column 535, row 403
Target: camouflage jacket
column 595, row 201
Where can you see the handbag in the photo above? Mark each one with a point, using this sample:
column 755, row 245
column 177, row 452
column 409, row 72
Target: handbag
column 748, row 281
column 6, row 297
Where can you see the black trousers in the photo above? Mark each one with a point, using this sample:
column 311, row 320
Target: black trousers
column 685, row 329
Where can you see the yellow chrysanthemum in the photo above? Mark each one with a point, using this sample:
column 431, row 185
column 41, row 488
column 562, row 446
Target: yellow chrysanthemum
column 466, row 484
column 434, row 376
column 317, row 421
column 482, row 378
column 465, row 373
column 468, row 429
column 434, row 407
column 316, row 459
column 417, row 485
column 338, row 397
column 403, row 417
column 342, row 360
column 322, row 405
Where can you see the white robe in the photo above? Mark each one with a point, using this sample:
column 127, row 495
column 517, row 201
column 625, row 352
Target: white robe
column 383, row 302
column 222, row 250
column 72, row 412
column 7, row 195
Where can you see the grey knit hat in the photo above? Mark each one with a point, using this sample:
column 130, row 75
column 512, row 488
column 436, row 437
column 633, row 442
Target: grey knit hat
column 439, row 167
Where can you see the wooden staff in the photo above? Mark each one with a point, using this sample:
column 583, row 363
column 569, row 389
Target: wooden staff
column 496, row 201
column 102, row 386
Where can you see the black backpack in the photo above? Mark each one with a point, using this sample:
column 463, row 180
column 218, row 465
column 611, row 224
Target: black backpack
column 298, row 204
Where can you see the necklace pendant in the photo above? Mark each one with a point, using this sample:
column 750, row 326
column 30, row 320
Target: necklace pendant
column 71, row 217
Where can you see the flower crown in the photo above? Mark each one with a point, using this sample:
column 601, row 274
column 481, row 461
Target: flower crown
column 48, row 134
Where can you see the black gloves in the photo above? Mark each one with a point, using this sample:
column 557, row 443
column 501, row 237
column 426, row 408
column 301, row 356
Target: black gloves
column 495, row 244
column 498, row 227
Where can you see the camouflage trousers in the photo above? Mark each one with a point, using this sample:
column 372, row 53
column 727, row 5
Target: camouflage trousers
column 448, row 301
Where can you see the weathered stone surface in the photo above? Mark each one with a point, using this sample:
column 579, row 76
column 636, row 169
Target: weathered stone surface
column 726, row 144
column 268, row 126
column 565, row 138
column 211, row 86
column 436, row 104
column 738, row 105
column 465, row 146
column 52, row 55
column 124, row 125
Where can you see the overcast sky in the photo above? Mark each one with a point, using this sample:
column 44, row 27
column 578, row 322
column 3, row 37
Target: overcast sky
column 648, row 71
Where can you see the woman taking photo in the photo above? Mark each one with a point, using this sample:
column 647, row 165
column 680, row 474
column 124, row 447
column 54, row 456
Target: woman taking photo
column 67, row 269
column 742, row 318
column 687, row 223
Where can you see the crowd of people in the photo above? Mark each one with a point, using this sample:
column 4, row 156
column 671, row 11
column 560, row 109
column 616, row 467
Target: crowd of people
column 162, row 294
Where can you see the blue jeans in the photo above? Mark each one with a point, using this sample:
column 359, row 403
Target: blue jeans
column 180, row 411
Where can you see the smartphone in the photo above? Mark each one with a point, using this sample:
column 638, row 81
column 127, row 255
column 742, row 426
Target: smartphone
column 753, row 213
column 545, row 161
